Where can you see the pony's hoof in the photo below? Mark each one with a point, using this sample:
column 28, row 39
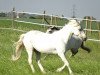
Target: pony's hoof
column 89, row 51
column 13, row 58
column 43, row 72
column 71, row 74
column 59, row 70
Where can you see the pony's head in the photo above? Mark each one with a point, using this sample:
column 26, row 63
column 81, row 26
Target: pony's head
column 82, row 34
column 75, row 27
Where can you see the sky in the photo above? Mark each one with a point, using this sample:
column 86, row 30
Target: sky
column 55, row 7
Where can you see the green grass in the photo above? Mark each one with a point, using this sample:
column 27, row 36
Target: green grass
column 82, row 64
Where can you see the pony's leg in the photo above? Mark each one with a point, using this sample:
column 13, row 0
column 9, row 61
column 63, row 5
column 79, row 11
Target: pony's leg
column 73, row 51
column 85, row 48
column 62, row 56
column 29, row 50
column 45, row 57
column 38, row 54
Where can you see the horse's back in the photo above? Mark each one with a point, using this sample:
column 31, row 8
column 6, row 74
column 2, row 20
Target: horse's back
column 40, row 41
column 34, row 32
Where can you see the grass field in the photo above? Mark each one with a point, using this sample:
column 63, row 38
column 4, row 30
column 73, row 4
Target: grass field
column 82, row 64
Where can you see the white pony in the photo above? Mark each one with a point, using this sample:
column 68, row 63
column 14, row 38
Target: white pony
column 75, row 42
column 41, row 42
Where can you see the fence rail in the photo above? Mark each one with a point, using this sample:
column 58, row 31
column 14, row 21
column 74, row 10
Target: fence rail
column 54, row 16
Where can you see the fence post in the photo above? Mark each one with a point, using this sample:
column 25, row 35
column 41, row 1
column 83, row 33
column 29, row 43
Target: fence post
column 13, row 15
column 90, row 25
column 86, row 25
column 55, row 20
column 43, row 17
column 51, row 22
column 98, row 24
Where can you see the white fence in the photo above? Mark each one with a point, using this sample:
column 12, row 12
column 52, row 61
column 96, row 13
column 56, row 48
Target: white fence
column 80, row 19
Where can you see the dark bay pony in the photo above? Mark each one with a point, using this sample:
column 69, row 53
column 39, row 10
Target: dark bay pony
column 75, row 41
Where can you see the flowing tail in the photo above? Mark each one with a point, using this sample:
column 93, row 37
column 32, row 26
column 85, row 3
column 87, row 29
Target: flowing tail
column 19, row 44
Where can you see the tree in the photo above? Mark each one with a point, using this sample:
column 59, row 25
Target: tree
column 3, row 14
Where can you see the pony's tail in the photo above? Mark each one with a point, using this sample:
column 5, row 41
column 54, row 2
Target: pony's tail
column 19, row 44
